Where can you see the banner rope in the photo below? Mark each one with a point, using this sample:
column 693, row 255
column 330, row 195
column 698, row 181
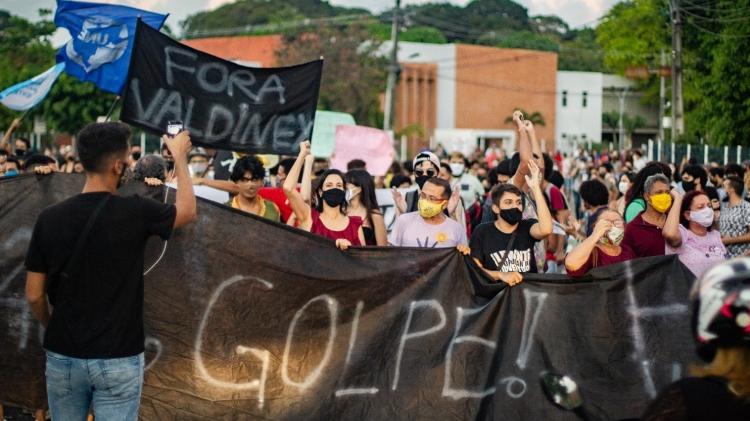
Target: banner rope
column 164, row 250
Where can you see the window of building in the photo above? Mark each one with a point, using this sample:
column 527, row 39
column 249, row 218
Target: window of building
column 585, row 99
column 564, row 98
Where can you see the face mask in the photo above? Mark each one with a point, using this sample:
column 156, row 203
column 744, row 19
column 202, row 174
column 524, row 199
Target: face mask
column 334, row 197
column 614, row 236
column 421, row 179
column 512, row 215
column 623, row 187
column 688, row 186
column 11, row 173
column 661, row 202
column 704, row 216
column 197, row 169
column 429, row 209
column 20, row 152
column 351, row 193
column 170, row 165
column 457, row 169
column 136, row 156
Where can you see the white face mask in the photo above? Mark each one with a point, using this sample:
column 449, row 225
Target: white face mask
column 705, row 216
column 351, row 193
column 623, row 187
column 198, row 168
column 457, row 169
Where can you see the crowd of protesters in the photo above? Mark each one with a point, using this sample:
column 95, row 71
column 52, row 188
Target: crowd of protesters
column 525, row 213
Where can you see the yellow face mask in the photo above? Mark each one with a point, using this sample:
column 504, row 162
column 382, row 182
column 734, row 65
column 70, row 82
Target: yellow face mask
column 428, row 209
column 661, row 202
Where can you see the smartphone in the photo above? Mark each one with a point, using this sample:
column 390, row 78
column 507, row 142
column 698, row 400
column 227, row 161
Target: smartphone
column 174, row 127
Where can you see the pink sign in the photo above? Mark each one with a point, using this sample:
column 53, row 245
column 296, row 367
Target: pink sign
column 358, row 142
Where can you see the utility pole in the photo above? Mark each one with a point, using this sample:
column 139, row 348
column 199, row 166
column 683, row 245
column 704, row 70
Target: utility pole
column 678, row 124
column 393, row 71
column 662, row 95
column 621, row 94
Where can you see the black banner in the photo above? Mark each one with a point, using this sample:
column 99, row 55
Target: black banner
column 223, row 104
column 250, row 319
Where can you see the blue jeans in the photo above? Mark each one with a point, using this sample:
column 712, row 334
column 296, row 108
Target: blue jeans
column 112, row 387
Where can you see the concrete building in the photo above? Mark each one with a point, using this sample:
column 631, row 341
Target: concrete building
column 473, row 88
column 579, row 109
column 612, row 87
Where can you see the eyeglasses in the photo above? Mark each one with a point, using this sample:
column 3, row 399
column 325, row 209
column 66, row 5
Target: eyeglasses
column 249, row 179
column 429, row 173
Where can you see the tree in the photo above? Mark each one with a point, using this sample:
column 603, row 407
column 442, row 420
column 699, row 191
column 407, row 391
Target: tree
column 25, row 51
column 353, row 72
column 611, row 119
column 536, row 117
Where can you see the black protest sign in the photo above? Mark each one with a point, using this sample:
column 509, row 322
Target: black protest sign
column 223, row 104
column 247, row 319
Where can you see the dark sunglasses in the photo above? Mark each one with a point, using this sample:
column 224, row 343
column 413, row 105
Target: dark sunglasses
column 429, row 173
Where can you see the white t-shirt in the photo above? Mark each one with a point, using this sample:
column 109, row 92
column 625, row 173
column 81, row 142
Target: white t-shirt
column 411, row 230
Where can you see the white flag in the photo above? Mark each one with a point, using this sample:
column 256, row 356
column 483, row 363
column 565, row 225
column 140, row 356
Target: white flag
column 25, row 95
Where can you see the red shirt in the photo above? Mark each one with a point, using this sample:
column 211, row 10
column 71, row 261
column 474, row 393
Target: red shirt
column 277, row 196
column 602, row 259
column 351, row 232
column 643, row 238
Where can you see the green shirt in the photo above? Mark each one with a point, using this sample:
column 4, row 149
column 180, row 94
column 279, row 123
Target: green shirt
column 634, row 208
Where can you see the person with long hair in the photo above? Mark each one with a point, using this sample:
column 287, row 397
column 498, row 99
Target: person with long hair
column 720, row 389
column 326, row 214
column 688, row 232
column 635, row 202
column 360, row 195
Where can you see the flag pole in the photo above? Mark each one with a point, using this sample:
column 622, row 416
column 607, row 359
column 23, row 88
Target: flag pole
column 112, row 108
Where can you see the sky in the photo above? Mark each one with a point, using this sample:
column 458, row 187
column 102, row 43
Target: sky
column 575, row 12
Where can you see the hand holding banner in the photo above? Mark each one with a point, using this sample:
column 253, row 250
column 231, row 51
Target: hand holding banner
column 224, row 105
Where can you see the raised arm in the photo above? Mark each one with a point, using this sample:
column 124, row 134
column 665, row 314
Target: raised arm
column 523, row 146
column 671, row 230
column 543, row 228
column 296, row 201
column 179, row 146
column 306, row 188
column 5, row 143
column 580, row 255
column 536, row 147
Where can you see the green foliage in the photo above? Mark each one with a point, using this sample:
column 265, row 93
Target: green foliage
column 25, row 52
column 423, row 34
column 611, row 119
column 527, row 40
column 241, row 13
column 353, row 74
column 580, row 52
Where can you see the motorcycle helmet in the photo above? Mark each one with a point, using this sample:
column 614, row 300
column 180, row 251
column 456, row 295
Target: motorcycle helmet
column 721, row 307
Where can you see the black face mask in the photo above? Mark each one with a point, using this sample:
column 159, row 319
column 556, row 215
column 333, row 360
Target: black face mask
column 20, row 152
column 512, row 215
column 136, row 156
column 421, row 179
column 688, row 186
column 334, row 197
column 170, row 165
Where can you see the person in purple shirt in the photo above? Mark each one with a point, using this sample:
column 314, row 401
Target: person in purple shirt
column 688, row 232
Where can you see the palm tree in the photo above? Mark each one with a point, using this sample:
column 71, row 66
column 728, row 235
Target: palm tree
column 536, row 117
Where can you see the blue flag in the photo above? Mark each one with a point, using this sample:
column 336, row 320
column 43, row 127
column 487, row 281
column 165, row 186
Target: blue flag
column 102, row 41
column 25, row 95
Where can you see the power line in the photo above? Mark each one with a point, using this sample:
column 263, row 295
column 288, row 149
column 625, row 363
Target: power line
column 704, row 7
column 716, row 19
column 718, row 34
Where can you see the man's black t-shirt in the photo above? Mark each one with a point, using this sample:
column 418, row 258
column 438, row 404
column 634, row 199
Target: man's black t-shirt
column 98, row 313
column 488, row 244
